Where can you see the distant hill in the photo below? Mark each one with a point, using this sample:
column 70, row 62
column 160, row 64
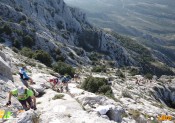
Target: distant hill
column 151, row 22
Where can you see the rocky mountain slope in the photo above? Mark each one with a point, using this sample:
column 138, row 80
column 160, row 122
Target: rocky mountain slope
column 135, row 101
column 150, row 22
column 65, row 34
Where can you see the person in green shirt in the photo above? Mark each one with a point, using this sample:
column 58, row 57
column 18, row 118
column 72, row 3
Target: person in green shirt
column 24, row 96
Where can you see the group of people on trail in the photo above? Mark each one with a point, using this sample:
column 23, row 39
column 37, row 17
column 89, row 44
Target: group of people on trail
column 61, row 81
column 24, row 94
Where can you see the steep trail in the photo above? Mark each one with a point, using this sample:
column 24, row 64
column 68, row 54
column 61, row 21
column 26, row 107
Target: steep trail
column 66, row 109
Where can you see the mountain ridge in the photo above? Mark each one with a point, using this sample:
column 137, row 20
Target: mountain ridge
column 53, row 25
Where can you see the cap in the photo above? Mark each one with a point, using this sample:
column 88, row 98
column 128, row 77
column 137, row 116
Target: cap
column 21, row 90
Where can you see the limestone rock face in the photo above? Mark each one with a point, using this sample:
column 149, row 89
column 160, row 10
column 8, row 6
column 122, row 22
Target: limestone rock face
column 53, row 24
column 115, row 113
column 5, row 66
column 28, row 117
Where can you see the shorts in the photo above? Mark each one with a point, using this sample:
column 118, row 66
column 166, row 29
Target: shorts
column 24, row 102
column 26, row 78
column 64, row 82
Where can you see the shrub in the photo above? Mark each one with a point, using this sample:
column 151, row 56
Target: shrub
column 19, row 32
column 120, row 74
column 64, row 68
column 27, row 52
column 134, row 71
column 97, row 85
column 58, row 51
column 79, row 52
column 28, row 41
column 7, row 29
column 19, row 9
column 43, row 57
column 60, row 58
column 94, row 56
column 1, row 30
column 60, row 25
column 2, row 40
column 58, row 96
column 105, row 89
column 71, row 55
column 111, row 63
column 99, row 69
column 125, row 93
column 148, row 76
column 16, row 44
column 15, row 49
column 135, row 113
column 23, row 23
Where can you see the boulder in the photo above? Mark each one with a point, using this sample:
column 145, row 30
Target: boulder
column 28, row 117
column 105, row 117
column 103, row 109
column 115, row 113
column 5, row 68
column 141, row 119
column 38, row 88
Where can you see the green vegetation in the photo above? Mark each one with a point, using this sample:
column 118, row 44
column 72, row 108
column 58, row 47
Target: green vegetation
column 125, row 93
column 19, row 9
column 2, row 40
column 27, row 52
column 38, row 102
column 28, row 41
column 143, row 56
column 79, row 52
column 89, row 37
column 40, row 55
column 97, row 85
column 60, row 58
column 23, row 23
column 43, row 57
column 6, row 29
column 99, row 69
column 63, row 68
column 120, row 74
column 143, row 52
column 60, row 25
column 19, row 32
column 16, row 44
column 135, row 113
column 58, row 96
column 134, row 71
column 15, row 49
column 57, row 55
column 94, row 56
column 71, row 55
column 148, row 76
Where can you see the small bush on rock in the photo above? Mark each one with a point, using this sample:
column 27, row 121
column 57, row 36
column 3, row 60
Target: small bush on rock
column 99, row 69
column 125, row 93
column 63, row 68
column 16, row 44
column 148, row 76
column 2, row 40
column 7, row 29
column 43, row 57
column 58, row 96
column 28, row 41
column 27, row 52
column 97, row 85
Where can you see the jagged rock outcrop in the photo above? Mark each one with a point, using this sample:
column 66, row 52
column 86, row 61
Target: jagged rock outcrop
column 165, row 94
column 28, row 117
column 5, row 66
column 50, row 22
